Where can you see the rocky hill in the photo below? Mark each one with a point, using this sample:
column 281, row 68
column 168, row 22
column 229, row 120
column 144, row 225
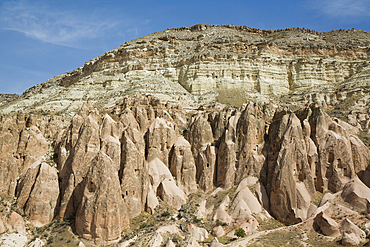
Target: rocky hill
column 194, row 136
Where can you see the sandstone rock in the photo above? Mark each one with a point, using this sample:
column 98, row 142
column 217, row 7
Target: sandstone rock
column 290, row 182
column 215, row 243
column 217, row 231
column 2, row 225
column 351, row 233
column 221, row 214
column 128, row 120
column 156, row 240
column 202, row 211
column 360, row 156
column 226, row 159
column 182, row 166
column 326, row 225
column 8, row 175
column 199, row 134
column 15, row 223
column 199, row 234
column 151, row 202
column 172, row 229
column 250, row 132
column 101, row 215
column 250, row 225
column 80, row 244
column 76, row 149
column 171, row 194
column 262, row 196
column 158, row 172
column 31, row 146
column 218, row 122
column 109, row 135
column 191, row 242
column 170, row 243
column 160, row 137
column 206, row 162
column 334, row 149
column 350, row 239
column 133, row 176
column 230, row 132
column 9, row 138
column 248, row 181
column 141, row 117
column 357, row 194
column 241, row 211
column 38, row 192
column 245, row 203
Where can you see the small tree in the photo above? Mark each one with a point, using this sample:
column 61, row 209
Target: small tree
column 239, row 232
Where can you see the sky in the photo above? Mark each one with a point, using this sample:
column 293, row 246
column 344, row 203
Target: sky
column 42, row 39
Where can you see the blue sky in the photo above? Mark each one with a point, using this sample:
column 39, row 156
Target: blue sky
column 41, row 39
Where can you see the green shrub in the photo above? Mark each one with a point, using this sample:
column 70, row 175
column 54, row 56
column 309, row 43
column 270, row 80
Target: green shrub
column 143, row 225
column 220, row 223
column 50, row 240
column 239, row 232
column 165, row 214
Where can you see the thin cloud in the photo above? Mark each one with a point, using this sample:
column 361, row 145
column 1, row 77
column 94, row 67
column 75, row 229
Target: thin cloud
column 41, row 22
column 343, row 8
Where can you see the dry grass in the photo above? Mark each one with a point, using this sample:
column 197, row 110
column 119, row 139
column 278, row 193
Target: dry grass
column 233, row 97
column 57, row 234
column 279, row 238
column 317, row 200
column 268, row 224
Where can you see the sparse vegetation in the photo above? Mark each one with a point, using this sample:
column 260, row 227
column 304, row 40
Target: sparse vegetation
column 220, row 223
column 239, row 232
column 165, row 214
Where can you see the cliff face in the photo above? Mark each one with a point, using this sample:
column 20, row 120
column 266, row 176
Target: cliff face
column 206, row 59
column 162, row 169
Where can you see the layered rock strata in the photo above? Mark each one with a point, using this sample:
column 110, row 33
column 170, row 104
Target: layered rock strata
column 184, row 63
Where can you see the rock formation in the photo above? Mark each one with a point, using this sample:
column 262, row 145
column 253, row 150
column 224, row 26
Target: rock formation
column 102, row 214
column 115, row 167
column 290, row 181
column 37, row 193
column 182, row 166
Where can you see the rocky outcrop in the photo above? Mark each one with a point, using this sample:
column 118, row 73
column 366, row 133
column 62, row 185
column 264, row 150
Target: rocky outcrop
column 182, row 166
column 357, row 194
column 334, row 149
column 102, row 215
column 206, row 164
column 352, row 235
column 217, row 231
column 250, row 133
column 171, row 194
column 133, row 173
column 77, row 147
column 326, row 225
column 145, row 154
column 15, row 223
column 160, row 137
column 38, row 192
column 183, row 62
column 226, row 160
column 199, row 134
column 32, row 145
column 163, row 185
column 221, row 214
column 109, row 169
column 18, row 150
column 290, row 181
